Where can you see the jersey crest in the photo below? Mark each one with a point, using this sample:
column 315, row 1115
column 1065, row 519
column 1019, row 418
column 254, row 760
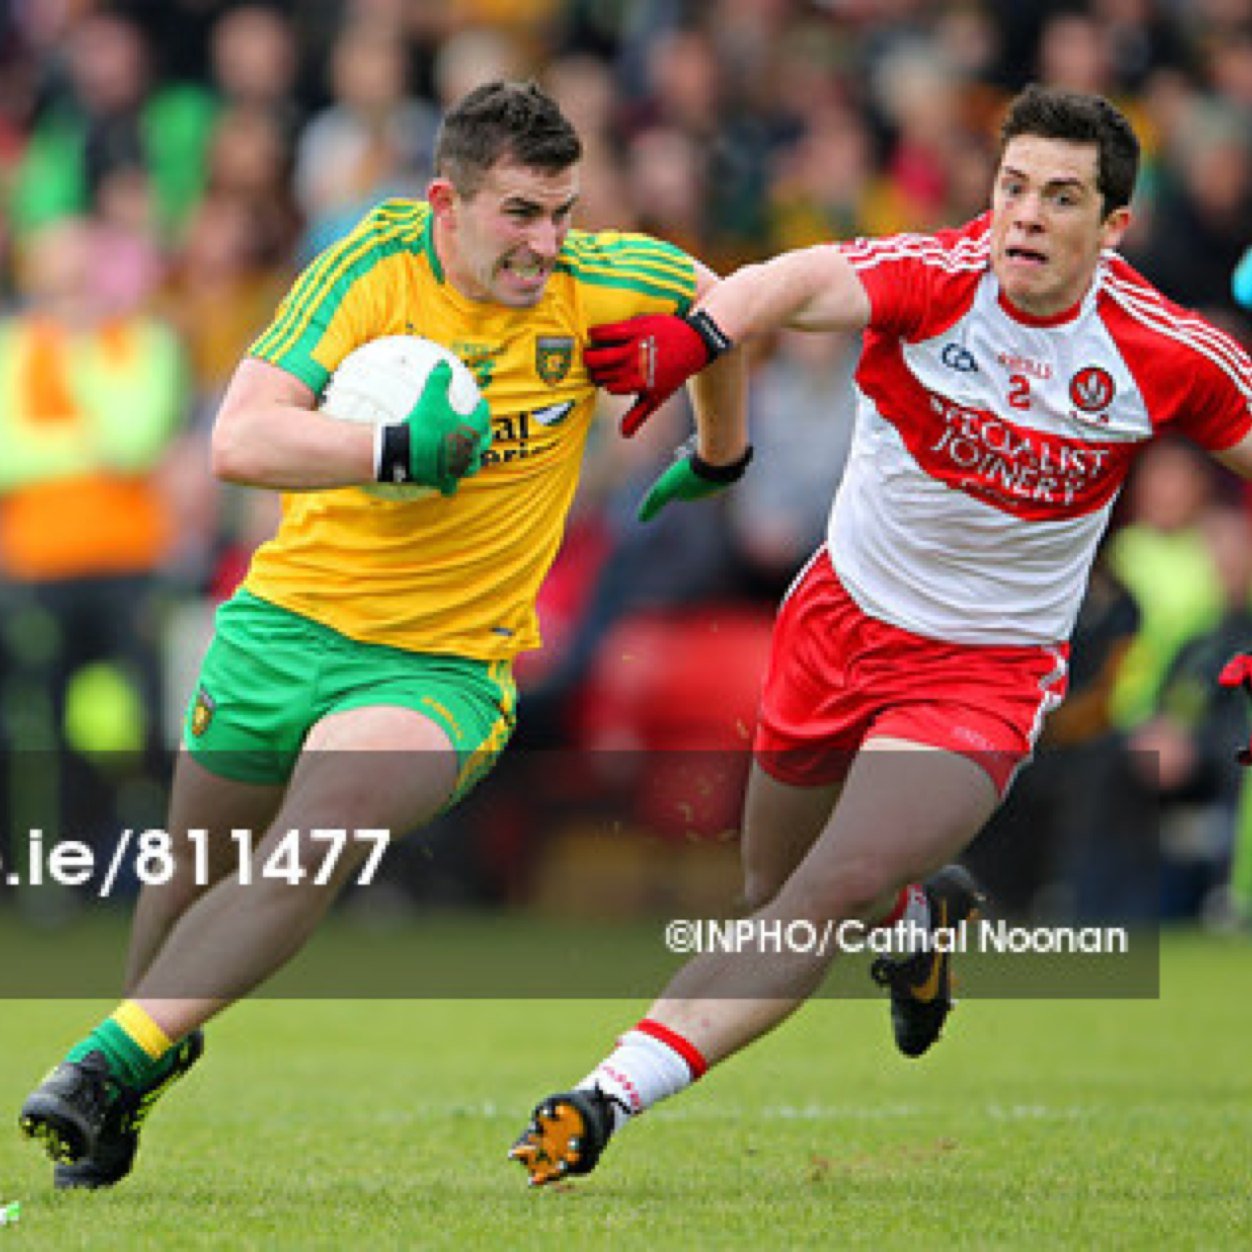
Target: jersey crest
column 554, row 354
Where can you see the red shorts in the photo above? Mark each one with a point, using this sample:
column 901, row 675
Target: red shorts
column 836, row 677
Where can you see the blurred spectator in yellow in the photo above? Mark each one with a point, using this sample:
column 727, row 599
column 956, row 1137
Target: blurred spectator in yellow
column 92, row 395
column 1162, row 556
column 91, row 392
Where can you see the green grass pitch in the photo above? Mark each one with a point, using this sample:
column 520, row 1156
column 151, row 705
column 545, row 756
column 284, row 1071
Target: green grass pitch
column 384, row 1124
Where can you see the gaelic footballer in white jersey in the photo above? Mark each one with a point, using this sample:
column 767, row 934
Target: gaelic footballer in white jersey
column 991, row 445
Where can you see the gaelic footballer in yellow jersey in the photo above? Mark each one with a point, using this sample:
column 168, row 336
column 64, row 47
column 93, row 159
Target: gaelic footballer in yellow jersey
column 457, row 575
column 360, row 679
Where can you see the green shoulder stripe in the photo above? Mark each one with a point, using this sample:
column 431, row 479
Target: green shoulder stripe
column 391, row 227
column 631, row 269
column 612, row 240
column 630, row 281
column 630, row 251
column 630, row 262
column 681, row 295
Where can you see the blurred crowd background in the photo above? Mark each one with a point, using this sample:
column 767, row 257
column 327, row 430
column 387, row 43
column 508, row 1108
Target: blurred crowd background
column 166, row 166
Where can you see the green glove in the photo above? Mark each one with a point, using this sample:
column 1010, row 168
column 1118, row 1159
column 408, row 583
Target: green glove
column 435, row 446
column 691, row 478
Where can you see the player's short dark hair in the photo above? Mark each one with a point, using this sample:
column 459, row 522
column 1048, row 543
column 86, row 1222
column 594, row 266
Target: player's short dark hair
column 503, row 120
column 1052, row 113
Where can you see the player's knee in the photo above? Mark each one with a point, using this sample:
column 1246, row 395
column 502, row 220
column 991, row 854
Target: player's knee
column 168, row 899
column 861, row 890
column 854, row 890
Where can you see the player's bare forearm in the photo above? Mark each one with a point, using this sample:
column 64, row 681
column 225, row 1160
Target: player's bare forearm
column 807, row 289
column 719, row 398
column 268, row 434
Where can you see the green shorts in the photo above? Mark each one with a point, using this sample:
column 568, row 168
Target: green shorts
column 270, row 674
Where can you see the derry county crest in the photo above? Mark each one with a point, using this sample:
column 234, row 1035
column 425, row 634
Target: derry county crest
column 1091, row 389
column 554, row 354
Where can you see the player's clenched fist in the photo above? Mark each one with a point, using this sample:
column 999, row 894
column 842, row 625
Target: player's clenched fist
column 652, row 356
column 435, row 445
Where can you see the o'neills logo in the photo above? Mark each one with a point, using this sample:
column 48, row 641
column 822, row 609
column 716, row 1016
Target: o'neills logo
column 202, row 712
column 1091, row 389
column 1027, row 472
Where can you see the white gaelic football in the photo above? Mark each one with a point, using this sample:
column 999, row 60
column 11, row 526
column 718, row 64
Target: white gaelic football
column 379, row 383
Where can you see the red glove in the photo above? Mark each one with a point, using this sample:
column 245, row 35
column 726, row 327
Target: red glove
column 653, row 356
column 1237, row 672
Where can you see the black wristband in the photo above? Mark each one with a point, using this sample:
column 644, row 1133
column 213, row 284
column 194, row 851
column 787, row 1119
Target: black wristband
column 731, row 473
column 716, row 340
column 393, row 454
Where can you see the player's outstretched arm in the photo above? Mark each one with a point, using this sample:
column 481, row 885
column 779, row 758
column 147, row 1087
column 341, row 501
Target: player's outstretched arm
column 805, row 289
column 810, row 289
column 652, row 356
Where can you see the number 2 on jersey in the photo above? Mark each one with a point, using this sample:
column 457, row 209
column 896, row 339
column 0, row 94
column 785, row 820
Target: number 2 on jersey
column 1019, row 391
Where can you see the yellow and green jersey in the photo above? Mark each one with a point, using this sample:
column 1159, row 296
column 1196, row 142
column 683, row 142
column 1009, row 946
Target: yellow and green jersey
column 456, row 575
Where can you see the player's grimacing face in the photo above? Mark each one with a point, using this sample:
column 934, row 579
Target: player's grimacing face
column 506, row 236
column 1048, row 225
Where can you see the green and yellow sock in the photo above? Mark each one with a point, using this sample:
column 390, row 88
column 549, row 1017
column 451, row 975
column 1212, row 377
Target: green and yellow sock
column 137, row 1049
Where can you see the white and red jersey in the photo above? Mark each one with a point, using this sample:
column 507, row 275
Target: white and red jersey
column 990, row 446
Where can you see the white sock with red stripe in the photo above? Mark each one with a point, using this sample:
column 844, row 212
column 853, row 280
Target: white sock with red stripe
column 911, row 907
column 650, row 1063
